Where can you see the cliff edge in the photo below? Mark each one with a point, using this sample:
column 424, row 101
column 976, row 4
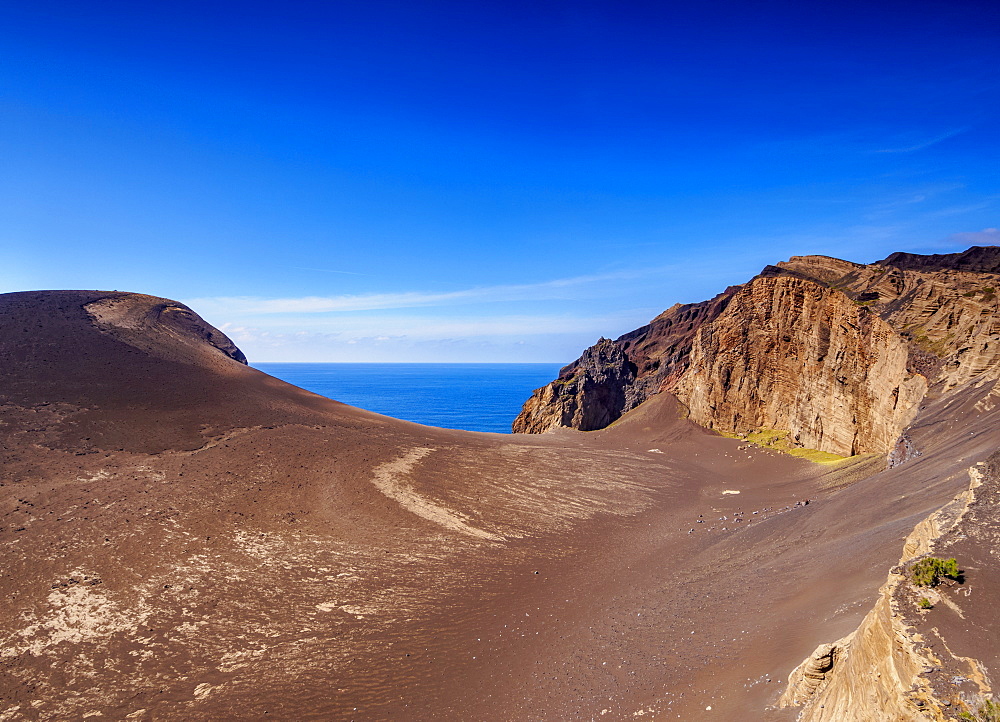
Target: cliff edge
column 905, row 662
column 837, row 354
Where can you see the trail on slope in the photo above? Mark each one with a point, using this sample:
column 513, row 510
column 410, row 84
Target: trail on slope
column 388, row 478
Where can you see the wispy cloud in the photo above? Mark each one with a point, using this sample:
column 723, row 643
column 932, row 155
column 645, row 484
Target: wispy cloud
column 386, row 337
column 547, row 290
column 911, row 200
column 927, row 143
column 329, row 270
column 985, row 237
column 387, row 326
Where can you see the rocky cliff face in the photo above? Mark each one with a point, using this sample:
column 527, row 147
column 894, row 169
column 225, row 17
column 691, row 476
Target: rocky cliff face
column 589, row 394
column 836, row 353
column 791, row 354
column 895, row 665
column 656, row 356
column 947, row 314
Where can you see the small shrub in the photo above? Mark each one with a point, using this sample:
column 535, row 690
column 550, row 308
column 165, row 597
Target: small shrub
column 929, row 572
column 925, row 603
column 985, row 710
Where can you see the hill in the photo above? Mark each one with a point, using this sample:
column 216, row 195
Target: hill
column 189, row 539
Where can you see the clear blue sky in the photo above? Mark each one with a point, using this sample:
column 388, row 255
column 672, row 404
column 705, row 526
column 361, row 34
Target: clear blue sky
column 481, row 181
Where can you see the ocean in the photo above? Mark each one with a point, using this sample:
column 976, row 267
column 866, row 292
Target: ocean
column 474, row 397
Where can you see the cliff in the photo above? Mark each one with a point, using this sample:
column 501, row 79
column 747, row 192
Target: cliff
column 837, row 354
column 898, row 664
column 789, row 353
column 590, row 396
column 944, row 306
column 650, row 359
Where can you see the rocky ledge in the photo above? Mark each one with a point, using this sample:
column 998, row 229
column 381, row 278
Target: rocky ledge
column 837, row 354
column 897, row 664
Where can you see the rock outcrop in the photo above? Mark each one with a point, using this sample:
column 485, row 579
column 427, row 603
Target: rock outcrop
column 657, row 357
column 984, row 259
column 945, row 306
column 791, row 354
column 837, row 354
column 887, row 669
column 589, row 394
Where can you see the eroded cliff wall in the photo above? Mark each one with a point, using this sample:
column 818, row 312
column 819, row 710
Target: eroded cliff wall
column 889, row 668
column 948, row 315
column 612, row 377
column 589, row 394
column 791, row 354
column 836, row 353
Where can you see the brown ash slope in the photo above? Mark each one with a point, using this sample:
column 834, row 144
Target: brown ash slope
column 838, row 354
column 187, row 538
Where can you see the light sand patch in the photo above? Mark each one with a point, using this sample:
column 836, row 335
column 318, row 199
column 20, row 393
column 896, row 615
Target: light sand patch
column 358, row 610
column 388, row 480
column 240, row 659
column 78, row 614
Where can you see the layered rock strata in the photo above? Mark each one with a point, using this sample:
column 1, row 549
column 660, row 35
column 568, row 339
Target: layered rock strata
column 836, row 353
column 791, row 354
column 613, row 377
column 887, row 669
column 949, row 316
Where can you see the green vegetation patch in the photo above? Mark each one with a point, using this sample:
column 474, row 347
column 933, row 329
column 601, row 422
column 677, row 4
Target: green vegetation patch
column 778, row 440
column 769, row 437
column 989, row 293
column 930, row 571
column 938, row 347
column 985, row 710
column 817, row 456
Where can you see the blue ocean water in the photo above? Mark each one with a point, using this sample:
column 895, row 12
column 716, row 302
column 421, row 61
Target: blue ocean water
column 474, row 397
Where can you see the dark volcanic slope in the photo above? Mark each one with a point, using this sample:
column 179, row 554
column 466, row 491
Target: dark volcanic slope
column 189, row 539
column 982, row 259
column 612, row 377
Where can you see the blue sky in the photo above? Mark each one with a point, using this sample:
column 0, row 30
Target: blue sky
column 456, row 181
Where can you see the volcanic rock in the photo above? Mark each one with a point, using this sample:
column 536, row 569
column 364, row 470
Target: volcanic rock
column 789, row 353
column 589, row 394
column 837, row 354
column 187, row 538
